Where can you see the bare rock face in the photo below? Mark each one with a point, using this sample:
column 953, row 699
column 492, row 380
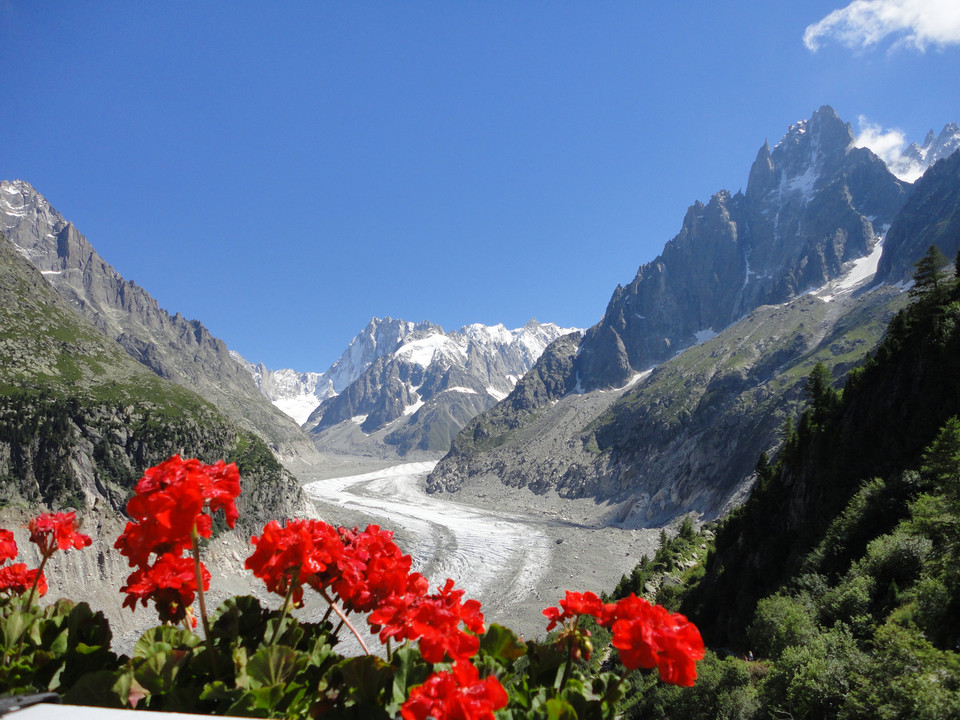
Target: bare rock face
column 666, row 404
column 926, row 220
column 176, row 349
column 416, row 394
column 683, row 437
column 812, row 203
column 80, row 420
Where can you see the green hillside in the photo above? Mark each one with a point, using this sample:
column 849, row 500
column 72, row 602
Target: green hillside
column 834, row 592
column 80, row 419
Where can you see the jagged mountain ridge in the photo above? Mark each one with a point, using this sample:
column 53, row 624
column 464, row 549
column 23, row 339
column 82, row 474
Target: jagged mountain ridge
column 931, row 216
column 80, row 419
column 917, row 158
column 176, row 349
column 300, row 393
column 683, row 437
column 687, row 437
column 812, row 203
column 420, row 388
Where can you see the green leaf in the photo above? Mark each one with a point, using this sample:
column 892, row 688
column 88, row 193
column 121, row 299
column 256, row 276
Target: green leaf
column 557, row 709
column 88, row 628
column 364, row 682
column 16, row 625
column 240, row 618
column 103, row 688
column 163, row 638
column 59, row 644
column 503, row 644
column 410, row 669
column 262, row 702
column 274, row 665
column 157, row 673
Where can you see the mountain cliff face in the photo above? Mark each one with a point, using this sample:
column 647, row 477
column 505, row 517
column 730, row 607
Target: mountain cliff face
column 417, row 386
column 174, row 348
column 812, row 203
column 685, row 435
column 935, row 147
column 80, row 420
column 299, row 393
column 931, row 216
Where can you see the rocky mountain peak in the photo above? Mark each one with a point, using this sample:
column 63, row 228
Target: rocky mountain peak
column 813, row 203
column 935, row 147
column 418, row 395
column 171, row 346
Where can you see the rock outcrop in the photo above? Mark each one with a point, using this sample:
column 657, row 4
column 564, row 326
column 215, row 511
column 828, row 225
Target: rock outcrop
column 176, row 349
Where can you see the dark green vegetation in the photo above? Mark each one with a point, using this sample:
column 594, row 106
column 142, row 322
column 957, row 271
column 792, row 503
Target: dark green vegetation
column 842, row 571
column 80, row 419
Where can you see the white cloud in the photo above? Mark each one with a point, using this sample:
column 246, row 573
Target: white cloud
column 863, row 23
column 888, row 145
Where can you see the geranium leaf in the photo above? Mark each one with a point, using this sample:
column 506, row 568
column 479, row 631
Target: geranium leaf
column 163, row 637
column 409, row 669
column 102, row 688
column 502, row 643
column 274, row 665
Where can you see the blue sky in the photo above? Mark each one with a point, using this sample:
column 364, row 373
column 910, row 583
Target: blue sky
column 285, row 171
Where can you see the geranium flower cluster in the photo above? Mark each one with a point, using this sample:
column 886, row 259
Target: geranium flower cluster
column 646, row 635
column 365, row 571
column 49, row 532
column 172, row 507
column 16, row 579
column 456, row 694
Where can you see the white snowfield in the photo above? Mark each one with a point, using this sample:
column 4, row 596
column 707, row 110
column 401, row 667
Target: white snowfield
column 495, row 557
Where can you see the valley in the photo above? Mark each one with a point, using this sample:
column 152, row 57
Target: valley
column 515, row 557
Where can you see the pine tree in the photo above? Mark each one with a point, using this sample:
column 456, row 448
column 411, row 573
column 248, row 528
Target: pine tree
column 929, row 276
column 819, row 388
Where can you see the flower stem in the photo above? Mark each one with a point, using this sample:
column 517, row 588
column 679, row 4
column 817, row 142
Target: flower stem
column 339, row 612
column 36, row 579
column 572, row 639
column 27, row 603
column 286, row 605
column 200, row 596
column 198, row 569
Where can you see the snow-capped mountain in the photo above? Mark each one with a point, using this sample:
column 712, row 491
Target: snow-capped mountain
column 413, row 381
column 780, row 276
column 935, row 147
column 812, row 203
column 299, row 393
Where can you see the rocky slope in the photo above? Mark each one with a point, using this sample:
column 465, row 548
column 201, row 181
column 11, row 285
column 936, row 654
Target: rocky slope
column 812, row 203
column 593, row 419
column 418, row 388
column 176, row 349
column 684, row 437
column 931, row 216
column 80, row 420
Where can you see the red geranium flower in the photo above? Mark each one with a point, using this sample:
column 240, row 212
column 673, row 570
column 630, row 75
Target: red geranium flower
column 372, row 568
column 456, row 695
column 8, row 546
column 301, row 552
column 651, row 636
column 434, row 620
column 574, row 605
column 171, row 583
column 171, row 500
column 57, row 530
column 17, row 579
